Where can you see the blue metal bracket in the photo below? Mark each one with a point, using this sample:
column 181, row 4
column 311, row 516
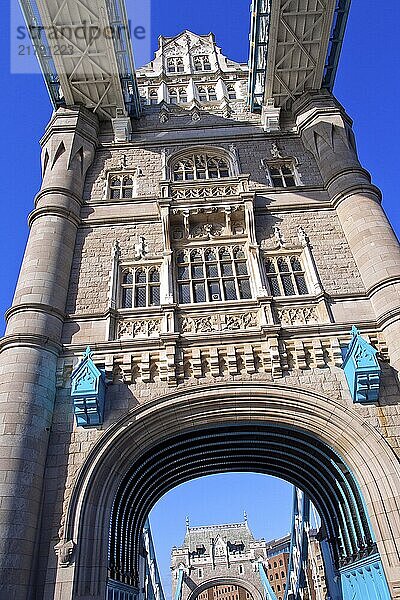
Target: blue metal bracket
column 362, row 369
column 88, row 392
column 365, row 580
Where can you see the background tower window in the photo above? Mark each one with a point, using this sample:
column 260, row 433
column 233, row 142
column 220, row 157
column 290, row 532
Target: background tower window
column 175, row 64
column 286, row 276
column 231, row 92
column 202, row 63
column 140, row 287
column 153, row 98
column 207, row 94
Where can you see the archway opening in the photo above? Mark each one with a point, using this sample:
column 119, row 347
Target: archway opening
column 219, row 526
column 292, row 454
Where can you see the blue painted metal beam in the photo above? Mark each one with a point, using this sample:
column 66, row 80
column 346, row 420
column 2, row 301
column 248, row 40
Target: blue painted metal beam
column 178, row 591
column 269, row 592
column 42, row 49
column 296, row 577
column 335, row 43
column 118, row 21
column 260, row 19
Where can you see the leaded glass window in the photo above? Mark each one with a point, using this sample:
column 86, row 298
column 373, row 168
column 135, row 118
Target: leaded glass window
column 282, row 174
column 140, row 287
column 286, row 276
column 121, row 187
column 212, row 275
column 200, row 166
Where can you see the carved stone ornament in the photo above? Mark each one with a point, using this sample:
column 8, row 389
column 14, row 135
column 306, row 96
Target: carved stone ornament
column 164, row 116
column 65, row 551
column 139, row 328
column 276, row 151
column 298, row 315
column 196, row 115
column 141, row 248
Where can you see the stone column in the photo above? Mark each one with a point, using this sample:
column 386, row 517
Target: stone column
column 29, row 350
column 326, row 131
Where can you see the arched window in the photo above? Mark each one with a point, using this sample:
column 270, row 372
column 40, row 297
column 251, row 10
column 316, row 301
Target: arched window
column 183, row 96
column 153, row 97
column 173, row 96
column 207, row 94
column 286, row 276
column 212, row 95
column 231, row 92
column 127, row 187
column 203, row 96
column 200, row 166
column 207, row 275
column 202, row 63
column 115, row 188
column 140, row 287
column 178, row 96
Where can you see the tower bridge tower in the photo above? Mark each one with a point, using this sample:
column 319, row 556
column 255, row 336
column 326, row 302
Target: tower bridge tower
column 210, row 284
column 218, row 562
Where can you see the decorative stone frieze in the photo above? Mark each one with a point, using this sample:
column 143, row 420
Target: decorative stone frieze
column 218, row 322
column 215, row 191
column 298, row 315
column 138, row 328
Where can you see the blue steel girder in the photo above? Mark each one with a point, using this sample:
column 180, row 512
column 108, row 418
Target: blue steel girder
column 296, row 576
column 96, row 68
column 294, row 47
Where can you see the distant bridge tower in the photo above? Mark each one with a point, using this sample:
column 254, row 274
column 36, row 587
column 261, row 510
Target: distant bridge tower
column 217, row 562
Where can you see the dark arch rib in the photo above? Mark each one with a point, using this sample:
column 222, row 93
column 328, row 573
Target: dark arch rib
column 291, row 454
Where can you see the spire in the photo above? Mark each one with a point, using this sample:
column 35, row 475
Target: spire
column 245, row 517
column 187, row 524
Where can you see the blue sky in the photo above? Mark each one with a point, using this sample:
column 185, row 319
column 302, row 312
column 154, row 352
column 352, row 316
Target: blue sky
column 367, row 85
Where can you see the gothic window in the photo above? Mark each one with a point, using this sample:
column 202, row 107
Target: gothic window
column 178, row 96
column 231, row 92
column 175, row 64
column 207, row 94
column 282, row 174
column 286, row 276
column 202, row 63
column 153, row 97
column 212, row 275
column 121, row 187
column 140, row 287
column 200, row 166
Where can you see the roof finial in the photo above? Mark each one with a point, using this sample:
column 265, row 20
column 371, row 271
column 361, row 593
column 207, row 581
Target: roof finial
column 245, row 516
column 187, row 523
